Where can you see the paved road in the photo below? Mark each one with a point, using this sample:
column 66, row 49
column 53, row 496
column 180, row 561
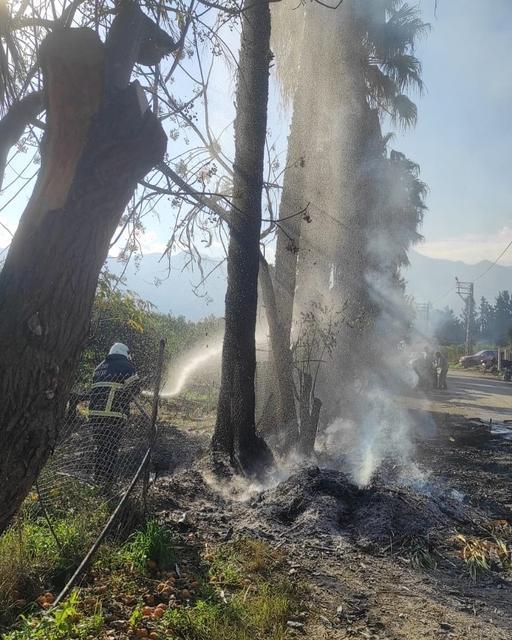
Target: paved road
column 470, row 394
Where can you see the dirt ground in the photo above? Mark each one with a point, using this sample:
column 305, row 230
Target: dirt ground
column 381, row 562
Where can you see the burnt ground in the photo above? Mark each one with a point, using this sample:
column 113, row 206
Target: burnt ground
column 380, row 562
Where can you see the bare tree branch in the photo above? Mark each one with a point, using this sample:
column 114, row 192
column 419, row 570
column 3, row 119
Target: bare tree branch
column 13, row 125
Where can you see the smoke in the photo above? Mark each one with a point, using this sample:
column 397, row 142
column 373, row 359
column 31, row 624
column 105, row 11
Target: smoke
column 361, row 225
column 381, row 430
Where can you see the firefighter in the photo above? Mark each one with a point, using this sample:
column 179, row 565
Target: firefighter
column 441, row 370
column 115, row 382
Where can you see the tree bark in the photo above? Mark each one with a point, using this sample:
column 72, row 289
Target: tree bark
column 288, row 428
column 296, row 195
column 13, row 124
column 235, row 431
column 97, row 146
column 309, row 415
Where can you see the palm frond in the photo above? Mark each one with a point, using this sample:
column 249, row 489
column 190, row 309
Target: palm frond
column 405, row 71
column 403, row 111
column 381, row 87
column 386, row 139
column 397, row 34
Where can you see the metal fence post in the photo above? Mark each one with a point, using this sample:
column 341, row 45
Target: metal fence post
column 154, row 416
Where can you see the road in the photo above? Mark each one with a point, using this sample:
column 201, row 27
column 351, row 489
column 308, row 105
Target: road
column 471, row 394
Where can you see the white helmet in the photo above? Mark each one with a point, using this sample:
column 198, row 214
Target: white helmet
column 119, row 349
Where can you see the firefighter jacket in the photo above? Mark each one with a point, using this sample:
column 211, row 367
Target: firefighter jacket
column 114, row 383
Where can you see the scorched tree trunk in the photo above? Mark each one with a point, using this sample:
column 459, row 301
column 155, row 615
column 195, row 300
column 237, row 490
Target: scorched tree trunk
column 235, row 431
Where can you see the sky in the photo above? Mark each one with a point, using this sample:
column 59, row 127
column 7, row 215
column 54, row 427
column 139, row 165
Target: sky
column 463, row 139
column 462, row 142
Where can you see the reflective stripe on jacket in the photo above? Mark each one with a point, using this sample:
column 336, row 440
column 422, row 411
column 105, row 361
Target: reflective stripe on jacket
column 114, row 384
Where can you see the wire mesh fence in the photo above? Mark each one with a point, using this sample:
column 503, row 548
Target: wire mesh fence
column 96, row 481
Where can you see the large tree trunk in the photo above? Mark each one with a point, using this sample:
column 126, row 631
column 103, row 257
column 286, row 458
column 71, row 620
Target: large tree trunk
column 297, row 194
column 97, row 146
column 235, row 431
column 282, row 360
column 357, row 166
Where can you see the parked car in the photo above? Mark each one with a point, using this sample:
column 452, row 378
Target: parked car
column 481, row 357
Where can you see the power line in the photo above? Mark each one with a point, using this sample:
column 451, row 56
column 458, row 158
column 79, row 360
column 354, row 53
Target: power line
column 491, row 266
column 495, row 262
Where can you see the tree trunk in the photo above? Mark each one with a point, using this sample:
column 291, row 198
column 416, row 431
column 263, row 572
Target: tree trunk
column 282, row 360
column 95, row 150
column 235, row 431
column 309, row 415
column 296, row 195
column 358, row 161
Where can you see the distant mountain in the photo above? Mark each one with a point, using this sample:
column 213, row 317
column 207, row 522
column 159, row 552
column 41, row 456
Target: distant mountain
column 172, row 290
column 428, row 280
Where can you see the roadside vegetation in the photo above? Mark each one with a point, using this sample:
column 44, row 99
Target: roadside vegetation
column 122, row 316
column 158, row 585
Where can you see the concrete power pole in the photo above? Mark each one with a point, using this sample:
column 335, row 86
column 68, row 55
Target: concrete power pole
column 423, row 309
column 465, row 291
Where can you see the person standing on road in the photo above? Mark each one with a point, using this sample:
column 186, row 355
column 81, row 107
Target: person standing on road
column 115, row 382
column 441, row 370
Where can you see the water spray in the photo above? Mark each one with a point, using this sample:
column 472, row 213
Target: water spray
column 191, row 363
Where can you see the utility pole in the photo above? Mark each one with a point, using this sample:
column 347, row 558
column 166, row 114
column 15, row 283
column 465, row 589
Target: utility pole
column 423, row 309
column 465, row 291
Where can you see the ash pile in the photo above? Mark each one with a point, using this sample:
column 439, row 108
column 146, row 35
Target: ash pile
column 320, row 505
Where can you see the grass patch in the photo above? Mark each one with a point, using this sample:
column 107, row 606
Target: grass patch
column 65, row 622
column 421, row 553
column 247, row 597
column 151, row 548
column 260, row 611
column 236, row 591
column 31, row 559
column 482, row 555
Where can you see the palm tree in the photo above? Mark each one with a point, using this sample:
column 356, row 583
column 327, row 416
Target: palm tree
column 364, row 64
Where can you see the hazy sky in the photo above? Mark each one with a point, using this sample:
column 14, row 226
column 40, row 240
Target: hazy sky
column 463, row 140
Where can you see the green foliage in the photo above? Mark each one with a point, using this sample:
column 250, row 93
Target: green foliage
column 136, row 618
column 65, row 622
column 421, row 553
column 247, row 603
column 122, row 316
column 238, row 593
column 449, row 328
column 390, row 34
column 260, row 611
column 492, row 323
column 155, row 543
column 31, row 559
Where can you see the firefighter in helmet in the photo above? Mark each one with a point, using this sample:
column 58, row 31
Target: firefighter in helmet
column 115, row 382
